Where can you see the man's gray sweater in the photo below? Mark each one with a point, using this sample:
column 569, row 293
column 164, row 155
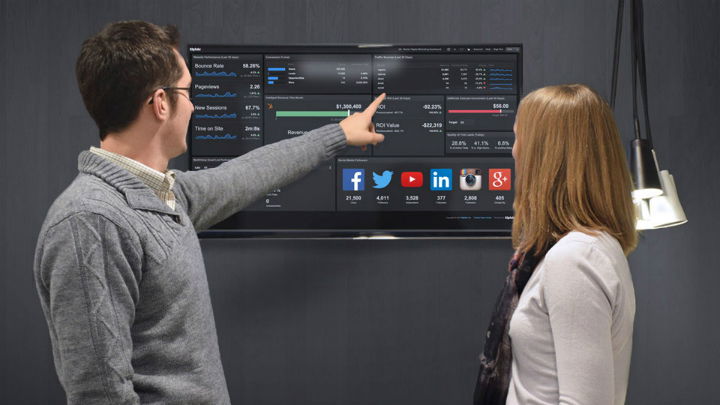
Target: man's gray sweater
column 121, row 277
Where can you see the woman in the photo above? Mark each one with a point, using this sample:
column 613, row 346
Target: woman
column 562, row 328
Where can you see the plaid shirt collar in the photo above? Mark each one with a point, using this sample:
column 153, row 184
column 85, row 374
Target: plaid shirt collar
column 160, row 183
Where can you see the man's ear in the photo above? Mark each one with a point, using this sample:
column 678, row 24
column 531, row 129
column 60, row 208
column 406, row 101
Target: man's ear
column 159, row 104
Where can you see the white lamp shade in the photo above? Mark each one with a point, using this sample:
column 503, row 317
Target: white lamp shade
column 662, row 211
column 666, row 209
column 642, row 214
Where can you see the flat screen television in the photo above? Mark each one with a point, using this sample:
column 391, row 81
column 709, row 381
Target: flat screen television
column 445, row 168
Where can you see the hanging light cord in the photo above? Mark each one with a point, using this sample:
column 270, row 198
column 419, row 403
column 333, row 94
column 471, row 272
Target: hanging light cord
column 637, row 56
column 616, row 54
column 634, row 58
column 640, row 38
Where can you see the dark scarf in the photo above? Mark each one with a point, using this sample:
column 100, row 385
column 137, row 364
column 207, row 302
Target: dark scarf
column 496, row 360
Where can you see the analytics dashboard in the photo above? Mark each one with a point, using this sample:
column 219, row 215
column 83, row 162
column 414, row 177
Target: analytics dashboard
column 445, row 165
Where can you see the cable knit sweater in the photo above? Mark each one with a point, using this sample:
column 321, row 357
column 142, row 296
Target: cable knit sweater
column 121, row 277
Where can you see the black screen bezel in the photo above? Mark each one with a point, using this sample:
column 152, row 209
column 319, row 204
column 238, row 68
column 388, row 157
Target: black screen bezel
column 302, row 224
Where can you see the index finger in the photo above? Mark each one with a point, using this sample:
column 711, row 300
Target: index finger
column 375, row 104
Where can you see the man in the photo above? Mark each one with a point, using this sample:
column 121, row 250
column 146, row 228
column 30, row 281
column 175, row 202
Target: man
column 118, row 266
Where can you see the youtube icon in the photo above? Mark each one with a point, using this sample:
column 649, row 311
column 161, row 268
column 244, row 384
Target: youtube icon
column 411, row 179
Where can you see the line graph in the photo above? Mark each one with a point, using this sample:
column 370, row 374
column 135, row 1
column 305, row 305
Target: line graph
column 501, row 79
column 217, row 137
column 216, row 95
column 233, row 115
column 216, row 74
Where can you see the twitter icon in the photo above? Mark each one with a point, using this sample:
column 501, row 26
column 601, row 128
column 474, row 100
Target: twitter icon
column 382, row 181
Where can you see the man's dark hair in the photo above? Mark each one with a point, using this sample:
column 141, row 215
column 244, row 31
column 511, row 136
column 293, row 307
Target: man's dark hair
column 121, row 66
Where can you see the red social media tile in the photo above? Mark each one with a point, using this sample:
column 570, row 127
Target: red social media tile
column 411, row 179
column 499, row 179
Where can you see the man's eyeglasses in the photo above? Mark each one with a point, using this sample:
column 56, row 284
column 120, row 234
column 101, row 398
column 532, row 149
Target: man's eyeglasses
column 172, row 89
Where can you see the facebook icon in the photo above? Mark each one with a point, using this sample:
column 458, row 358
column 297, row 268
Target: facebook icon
column 353, row 179
column 441, row 179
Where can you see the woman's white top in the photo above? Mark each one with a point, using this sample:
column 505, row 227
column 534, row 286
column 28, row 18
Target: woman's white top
column 572, row 330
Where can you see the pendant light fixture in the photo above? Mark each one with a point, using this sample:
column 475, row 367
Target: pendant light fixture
column 654, row 193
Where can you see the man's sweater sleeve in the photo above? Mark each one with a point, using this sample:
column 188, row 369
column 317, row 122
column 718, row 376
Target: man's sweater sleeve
column 579, row 290
column 211, row 195
column 90, row 273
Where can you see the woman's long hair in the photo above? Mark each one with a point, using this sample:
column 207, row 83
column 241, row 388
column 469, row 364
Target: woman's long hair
column 571, row 170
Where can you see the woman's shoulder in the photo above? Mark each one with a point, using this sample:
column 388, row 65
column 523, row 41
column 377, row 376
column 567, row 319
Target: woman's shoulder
column 585, row 244
column 582, row 260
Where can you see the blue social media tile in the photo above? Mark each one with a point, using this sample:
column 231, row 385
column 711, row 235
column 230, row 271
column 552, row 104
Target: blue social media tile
column 441, row 179
column 382, row 180
column 353, row 179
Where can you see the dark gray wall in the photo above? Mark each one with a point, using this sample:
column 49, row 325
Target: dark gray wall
column 371, row 322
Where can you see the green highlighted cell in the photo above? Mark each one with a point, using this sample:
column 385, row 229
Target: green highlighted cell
column 279, row 114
